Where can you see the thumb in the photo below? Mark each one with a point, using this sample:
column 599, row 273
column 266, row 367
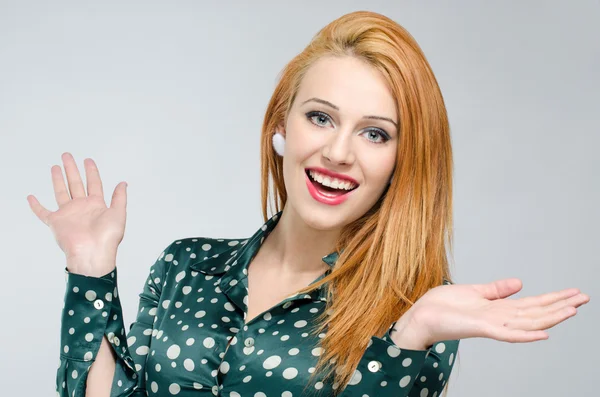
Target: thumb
column 500, row 288
column 119, row 197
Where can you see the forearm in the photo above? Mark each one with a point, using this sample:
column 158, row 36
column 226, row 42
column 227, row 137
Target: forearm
column 100, row 378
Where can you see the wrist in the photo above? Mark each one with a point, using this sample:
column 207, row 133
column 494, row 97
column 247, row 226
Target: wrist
column 408, row 334
column 90, row 268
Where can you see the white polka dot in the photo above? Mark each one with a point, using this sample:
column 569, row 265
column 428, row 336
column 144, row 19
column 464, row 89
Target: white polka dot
column 206, row 247
column 154, row 387
column 393, row 351
column 190, row 341
column 90, row 295
column 142, row 350
column 440, row 347
column 88, row 356
column 317, row 351
column 173, row 352
column 451, row 359
column 71, row 331
column 174, row 388
column 178, row 278
column 272, row 362
column 290, row 373
column 293, row 351
column 247, row 379
column 89, row 337
column 406, row 362
column 75, row 289
column 188, row 364
column 356, row 378
column 168, row 257
column 405, row 381
column 74, row 374
column 229, row 307
column 186, row 290
column 224, row 367
column 319, row 385
column 424, row 393
column 200, row 314
column 208, row 342
column 166, row 303
column 300, row 324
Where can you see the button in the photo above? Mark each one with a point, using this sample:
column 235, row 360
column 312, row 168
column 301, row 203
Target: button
column 98, row 304
column 116, row 341
column 249, row 342
column 374, row 366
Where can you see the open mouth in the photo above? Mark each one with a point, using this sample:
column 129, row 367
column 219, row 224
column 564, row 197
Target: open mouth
column 344, row 188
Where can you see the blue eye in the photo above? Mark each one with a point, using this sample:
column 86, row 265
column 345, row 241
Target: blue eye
column 383, row 137
column 379, row 137
column 319, row 115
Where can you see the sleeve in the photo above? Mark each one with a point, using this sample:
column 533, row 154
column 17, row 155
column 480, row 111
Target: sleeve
column 386, row 369
column 92, row 310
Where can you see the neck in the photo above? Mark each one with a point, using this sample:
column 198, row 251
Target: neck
column 296, row 247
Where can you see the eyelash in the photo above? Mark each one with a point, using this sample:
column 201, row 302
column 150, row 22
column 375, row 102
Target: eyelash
column 381, row 133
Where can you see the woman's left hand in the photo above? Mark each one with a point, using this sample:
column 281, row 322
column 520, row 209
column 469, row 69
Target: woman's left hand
column 460, row 311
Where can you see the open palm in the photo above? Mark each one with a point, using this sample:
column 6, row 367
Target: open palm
column 483, row 310
column 85, row 229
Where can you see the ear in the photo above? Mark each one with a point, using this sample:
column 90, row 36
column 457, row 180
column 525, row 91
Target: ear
column 281, row 128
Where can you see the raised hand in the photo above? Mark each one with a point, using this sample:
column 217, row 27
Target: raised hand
column 87, row 231
column 483, row 310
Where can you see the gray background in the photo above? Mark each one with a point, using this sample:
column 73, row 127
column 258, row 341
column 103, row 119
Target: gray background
column 169, row 96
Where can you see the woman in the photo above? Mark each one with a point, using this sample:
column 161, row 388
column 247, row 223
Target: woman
column 345, row 290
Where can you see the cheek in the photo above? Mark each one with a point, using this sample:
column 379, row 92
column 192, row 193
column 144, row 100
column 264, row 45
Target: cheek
column 378, row 167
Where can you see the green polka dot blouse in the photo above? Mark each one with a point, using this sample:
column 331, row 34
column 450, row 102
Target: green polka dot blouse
column 189, row 337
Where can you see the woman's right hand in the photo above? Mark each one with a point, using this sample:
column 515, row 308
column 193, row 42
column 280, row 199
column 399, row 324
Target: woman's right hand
column 87, row 231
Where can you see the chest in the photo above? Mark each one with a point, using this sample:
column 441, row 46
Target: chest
column 266, row 288
column 202, row 342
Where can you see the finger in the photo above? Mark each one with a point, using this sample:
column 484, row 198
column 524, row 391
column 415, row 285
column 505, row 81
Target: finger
column 119, row 197
column 73, row 177
column 545, row 321
column 38, row 209
column 60, row 189
column 499, row 289
column 92, row 176
column 545, row 299
column 515, row 335
column 573, row 301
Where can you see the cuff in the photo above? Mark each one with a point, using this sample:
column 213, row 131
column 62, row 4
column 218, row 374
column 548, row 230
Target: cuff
column 88, row 304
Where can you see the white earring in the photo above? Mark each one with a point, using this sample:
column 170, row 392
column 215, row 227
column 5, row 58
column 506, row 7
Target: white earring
column 278, row 143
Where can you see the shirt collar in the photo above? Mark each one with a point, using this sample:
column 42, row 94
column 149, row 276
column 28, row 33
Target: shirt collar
column 215, row 265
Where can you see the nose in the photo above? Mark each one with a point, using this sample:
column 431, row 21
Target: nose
column 338, row 149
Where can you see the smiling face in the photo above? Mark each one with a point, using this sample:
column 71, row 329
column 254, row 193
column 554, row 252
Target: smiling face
column 341, row 131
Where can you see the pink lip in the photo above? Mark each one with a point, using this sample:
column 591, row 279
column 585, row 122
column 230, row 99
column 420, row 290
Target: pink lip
column 317, row 195
column 333, row 174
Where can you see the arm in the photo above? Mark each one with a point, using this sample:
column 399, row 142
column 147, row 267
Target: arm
column 94, row 348
column 402, row 366
column 387, row 369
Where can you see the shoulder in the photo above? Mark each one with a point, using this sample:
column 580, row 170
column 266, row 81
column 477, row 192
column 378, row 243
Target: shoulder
column 200, row 253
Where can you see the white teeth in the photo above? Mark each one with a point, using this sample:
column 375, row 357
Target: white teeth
column 331, row 182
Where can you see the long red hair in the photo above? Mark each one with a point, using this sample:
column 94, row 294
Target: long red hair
column 396, row 251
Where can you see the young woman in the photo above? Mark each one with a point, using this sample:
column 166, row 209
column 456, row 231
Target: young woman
column 345, row 290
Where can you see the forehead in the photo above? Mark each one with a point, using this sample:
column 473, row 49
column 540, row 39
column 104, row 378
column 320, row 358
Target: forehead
column 349, row 83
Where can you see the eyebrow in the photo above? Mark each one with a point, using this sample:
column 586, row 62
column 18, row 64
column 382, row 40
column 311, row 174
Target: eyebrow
column 324, row 102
